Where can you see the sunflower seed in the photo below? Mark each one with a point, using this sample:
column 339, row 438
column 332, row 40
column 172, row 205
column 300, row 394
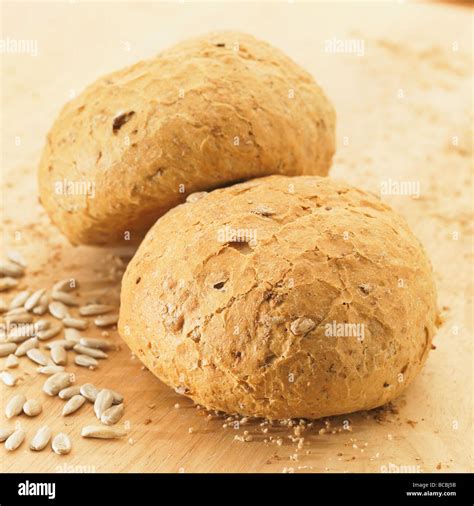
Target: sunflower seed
column 102, row 432
column 15, row 440
column 7, row 349
column 58, row 310
column 61, row 444
column 89, row 391
column 86, row 361
column 73, row 404
column 93, row 342
column 72, row 335
column 107, row 320
column 75, row 323
column 7, row 284
column 33, row 299
column 54, row 330
column 16, row 258
column 59, row 355
column 65, row 298
column 112, row 415
column 14, row 406
column 104, row 401
column 67, row 393
column 51, row 369
column 19, row 318
column 21, row 333
column 19, row 299
column 42, row 306
column 12, row 362
column 5, row 434
column 25, row 346
column 54, row 384
column 10, row 269
column 41, row 438
column 67, row 345
column 302, row 326
column 42, row 325
column 66, row 285
column 16, row 311
column 8, row 379
column 91, row 352
column 37, row 356
column 32, row 407
column 3, row 306
column 118, row 398
column 95, row 309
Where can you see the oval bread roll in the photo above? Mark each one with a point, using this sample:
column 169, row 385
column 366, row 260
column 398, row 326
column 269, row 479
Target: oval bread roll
column 281, row 297
column 206, row 113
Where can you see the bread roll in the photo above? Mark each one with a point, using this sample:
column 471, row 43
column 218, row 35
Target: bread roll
column 281, row 297
column 206, row 113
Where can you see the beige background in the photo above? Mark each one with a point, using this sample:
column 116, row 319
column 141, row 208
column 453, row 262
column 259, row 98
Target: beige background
column 380, row 136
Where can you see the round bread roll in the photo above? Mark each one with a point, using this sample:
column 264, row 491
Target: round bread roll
column 209, row 112
column 281, row 297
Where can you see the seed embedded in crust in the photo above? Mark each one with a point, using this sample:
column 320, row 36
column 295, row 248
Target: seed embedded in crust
column 102, row 432
column 14, row 406
column 104, row 401
column 86, row 361
column 41, row 438
column 61, row 444
column 54, row 384
column 34, row 299
column 69, row 392
column 95, row 309
column 89, row 391
column 37, row 356
column 65, row 298
column 73, row 404
column 112, row 415
column 32, row 407
column 106, row 320
column 7, row 349
column 24, row 347
column 15, row 440
column 91, row 352
column 75, row 323
column 302, row 326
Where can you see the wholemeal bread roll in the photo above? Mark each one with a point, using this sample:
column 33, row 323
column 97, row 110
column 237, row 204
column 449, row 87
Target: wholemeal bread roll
column 206, row 113
column 281, row 297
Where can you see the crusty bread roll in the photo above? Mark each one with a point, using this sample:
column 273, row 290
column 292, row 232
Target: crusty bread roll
column 281, row 297
column 206, row 113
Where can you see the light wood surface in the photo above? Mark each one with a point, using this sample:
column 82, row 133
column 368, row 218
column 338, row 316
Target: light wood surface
column 383, row 133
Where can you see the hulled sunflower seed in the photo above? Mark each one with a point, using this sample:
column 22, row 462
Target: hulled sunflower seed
column 19, row 299
column 15, row 440
column 41, row 438
column 75, row 323
column 94, row 342
column 19, row 318
column 302, row 326
column 112, row 415
column 59, row 355
column 21, row 333
column 5, row 434
column 34, row 299
column 58, row 310
column 15, row 311
column 104, row 401
column 42, row 306
column 17, row 258
column 14, row 406
column 92, row 352
column 32, row 407
column 65, row 298
column 67, row 345
column 106, row 320
column 95, row 309
column 51, row 369
column 3, row 306
column 7, row 284
column 66, row 285
column 118, row 398
column 42, row 325
column 7, row 348
column 10, row 269
column 72, row 335
column 61, row 444
column 37, row 356
column 73, row 404
column 22, row 349
column 89, row 391
column 12, row 362
column 54, row 330
column 86, row 361
column 102, row 432
column 67, row 393
column 8, row 379
column 57, row 382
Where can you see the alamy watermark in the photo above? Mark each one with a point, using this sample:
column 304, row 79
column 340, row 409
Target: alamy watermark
column 335, row 329
column 19, row 46
column 346, row 46
column 66, row 187
column 229, row 234
column 405, row 188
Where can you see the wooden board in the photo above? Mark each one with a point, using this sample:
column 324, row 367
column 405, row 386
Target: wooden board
column 399, row 105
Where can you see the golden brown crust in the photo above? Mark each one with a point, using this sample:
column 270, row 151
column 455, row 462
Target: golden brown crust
column 140, row 133
column 244, row 326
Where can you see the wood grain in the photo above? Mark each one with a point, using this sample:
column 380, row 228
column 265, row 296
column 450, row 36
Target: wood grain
column 380, row 136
